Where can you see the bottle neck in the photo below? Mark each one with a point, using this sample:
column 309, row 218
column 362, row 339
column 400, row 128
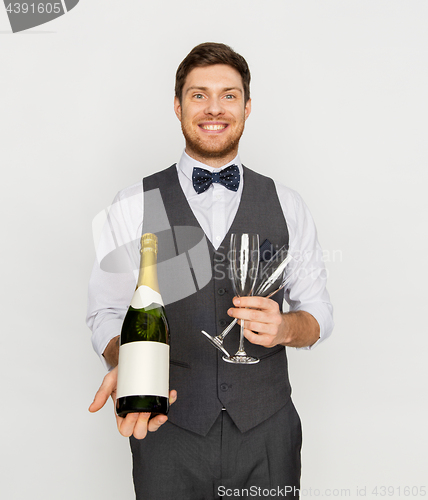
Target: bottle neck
column 148, row 272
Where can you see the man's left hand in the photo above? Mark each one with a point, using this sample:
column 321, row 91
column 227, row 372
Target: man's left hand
column 265, row 325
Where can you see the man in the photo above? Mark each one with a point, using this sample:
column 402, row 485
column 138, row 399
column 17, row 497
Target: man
column 232, row 429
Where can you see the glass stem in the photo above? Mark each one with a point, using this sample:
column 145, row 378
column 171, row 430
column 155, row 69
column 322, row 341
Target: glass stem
column 227, row 330
column 241, row 341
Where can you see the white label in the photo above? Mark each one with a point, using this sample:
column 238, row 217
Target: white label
column 143, row 369
column 144, row 296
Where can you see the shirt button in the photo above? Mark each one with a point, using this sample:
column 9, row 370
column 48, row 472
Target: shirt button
column 222, row 323
column 224, row 387
column 221, row 291
column 218, row 238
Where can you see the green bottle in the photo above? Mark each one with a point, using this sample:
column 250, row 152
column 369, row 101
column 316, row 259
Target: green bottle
column 143, row 377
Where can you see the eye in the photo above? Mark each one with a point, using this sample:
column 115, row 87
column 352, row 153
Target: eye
column 198, row 96
column 229, row 96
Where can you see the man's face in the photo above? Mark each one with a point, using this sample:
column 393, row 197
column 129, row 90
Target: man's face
column 212, row 113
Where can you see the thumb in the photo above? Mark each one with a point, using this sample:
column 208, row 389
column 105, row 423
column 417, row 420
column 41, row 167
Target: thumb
column 107, row 388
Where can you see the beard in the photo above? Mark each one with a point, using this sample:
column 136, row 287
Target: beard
column 212, row 148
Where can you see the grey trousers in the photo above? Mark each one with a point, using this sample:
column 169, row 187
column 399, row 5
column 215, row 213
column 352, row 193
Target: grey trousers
column 264, row 462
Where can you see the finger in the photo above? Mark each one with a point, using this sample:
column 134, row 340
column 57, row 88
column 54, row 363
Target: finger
column 156, row 422
column 138, row 424
column 255, row 302
column 133, row 423
column 239, row 313
column 172, row 396
column 262, row 339
column 141, row 426
column 107, row 387
column 255, row 315
column 261, row 328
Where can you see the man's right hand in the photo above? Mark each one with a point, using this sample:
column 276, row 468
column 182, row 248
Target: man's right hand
column 136, row 424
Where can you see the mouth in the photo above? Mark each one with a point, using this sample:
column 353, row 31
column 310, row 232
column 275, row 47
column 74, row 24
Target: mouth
column 213, row 127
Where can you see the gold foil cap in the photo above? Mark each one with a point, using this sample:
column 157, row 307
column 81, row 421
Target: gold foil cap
column 149, row 241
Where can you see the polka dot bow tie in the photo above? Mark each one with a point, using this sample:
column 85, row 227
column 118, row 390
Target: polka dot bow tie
column 228, row 177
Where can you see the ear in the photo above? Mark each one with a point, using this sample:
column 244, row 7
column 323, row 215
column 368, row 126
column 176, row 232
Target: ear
column 177, row 107
column 247, row 109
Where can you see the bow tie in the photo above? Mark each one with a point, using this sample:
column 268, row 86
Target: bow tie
column 228, row 177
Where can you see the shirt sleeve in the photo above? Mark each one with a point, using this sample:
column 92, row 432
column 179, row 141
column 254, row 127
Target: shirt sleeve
column 115, row 271
column 306, row 290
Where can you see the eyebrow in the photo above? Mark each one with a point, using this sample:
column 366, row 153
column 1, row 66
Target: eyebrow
column 205, row 89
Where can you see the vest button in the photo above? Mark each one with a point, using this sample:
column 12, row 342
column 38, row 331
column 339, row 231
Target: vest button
column 222, row 323
column 221, row 291
column 224, row 387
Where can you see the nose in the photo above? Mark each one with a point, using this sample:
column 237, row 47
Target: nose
column 214, row 107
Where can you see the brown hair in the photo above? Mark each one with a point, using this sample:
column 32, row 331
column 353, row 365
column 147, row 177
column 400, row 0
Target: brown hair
column 208, row 54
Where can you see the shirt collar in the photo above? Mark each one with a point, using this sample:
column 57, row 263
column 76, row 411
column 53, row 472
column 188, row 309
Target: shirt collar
column 187, row 163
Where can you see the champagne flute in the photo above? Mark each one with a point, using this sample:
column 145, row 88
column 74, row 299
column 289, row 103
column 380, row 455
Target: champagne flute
column 272, row 271
column 244, row 264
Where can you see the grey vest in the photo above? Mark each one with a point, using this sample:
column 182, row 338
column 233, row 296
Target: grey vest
column 197, row 292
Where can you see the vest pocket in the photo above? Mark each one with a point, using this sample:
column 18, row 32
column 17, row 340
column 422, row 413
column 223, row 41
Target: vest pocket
column 179, row 363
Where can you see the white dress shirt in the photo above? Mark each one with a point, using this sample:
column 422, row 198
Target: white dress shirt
column 110, row 292
column 216, row 207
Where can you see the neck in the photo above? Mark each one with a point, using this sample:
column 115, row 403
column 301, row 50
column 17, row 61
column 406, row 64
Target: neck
column 215, row 162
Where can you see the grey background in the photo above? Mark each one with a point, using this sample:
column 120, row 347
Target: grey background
column 339, row 114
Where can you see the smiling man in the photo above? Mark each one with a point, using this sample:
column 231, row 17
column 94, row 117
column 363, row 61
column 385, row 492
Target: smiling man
column 212, row 108
column 231, row 428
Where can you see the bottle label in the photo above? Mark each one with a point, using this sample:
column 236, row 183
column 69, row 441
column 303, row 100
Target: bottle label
column 143, row 369
column 144, row 296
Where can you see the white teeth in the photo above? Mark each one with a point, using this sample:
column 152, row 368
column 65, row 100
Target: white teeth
column 213, row 127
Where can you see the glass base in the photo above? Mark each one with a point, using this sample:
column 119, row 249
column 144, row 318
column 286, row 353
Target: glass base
column 216, row 343
column 241, row 360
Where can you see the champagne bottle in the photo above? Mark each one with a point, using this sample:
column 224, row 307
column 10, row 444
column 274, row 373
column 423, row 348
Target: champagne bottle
column 143, row 376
